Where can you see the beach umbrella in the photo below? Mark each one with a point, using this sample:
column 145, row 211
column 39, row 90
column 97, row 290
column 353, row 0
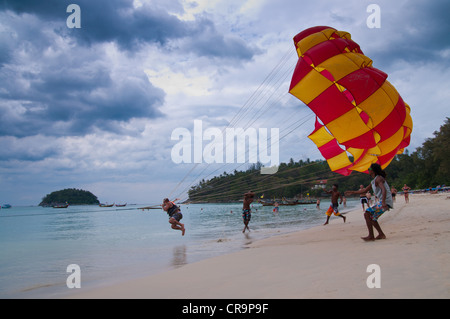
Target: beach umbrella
column 360, row 117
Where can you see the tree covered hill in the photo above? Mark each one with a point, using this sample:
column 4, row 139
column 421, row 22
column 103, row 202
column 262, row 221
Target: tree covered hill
column 428, row 166
column 72, row 196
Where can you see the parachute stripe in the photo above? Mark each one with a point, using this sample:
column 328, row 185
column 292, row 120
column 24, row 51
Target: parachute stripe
column 362, row 113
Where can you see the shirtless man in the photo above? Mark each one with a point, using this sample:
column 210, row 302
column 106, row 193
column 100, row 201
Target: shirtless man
column 334, row 207
column 246, row 211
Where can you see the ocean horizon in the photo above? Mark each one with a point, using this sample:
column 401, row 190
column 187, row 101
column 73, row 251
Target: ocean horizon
column 111, row 245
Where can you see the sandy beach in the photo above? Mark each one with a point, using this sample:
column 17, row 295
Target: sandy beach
column 322, row 262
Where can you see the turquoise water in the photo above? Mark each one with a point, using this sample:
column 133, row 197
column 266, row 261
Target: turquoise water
column 115, row 244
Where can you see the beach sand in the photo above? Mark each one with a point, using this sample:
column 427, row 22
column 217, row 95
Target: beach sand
column 322, row 262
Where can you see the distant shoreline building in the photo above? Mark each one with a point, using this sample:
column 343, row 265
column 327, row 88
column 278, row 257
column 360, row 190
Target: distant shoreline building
column 320, row 184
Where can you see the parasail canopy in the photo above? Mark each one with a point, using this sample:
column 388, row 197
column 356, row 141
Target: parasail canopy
column 360, row 117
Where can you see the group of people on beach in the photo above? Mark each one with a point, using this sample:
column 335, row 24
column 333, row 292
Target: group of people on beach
column 384, row 201
column 383, row 193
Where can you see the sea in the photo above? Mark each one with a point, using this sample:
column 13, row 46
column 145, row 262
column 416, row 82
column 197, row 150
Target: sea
column 115, row 244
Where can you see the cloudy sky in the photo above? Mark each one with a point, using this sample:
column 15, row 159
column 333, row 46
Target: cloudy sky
column 95, row 107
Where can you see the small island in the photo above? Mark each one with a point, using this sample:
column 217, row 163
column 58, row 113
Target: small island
column 70, row 196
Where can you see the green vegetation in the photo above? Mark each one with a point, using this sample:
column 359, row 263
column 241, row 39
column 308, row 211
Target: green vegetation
column 428, row 166
column 72, row 196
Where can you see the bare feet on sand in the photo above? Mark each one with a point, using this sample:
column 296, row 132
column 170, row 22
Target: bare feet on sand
column 368, row 238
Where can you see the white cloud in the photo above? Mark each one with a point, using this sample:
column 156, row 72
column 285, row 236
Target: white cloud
column 189, row 84
column 209, row 77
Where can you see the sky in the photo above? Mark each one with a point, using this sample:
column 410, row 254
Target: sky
column 95, row 107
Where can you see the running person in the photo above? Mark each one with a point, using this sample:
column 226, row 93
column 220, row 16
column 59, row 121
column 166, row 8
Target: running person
column 175, row 215
column 334, row 207
column 246, row 211
column 382, row 191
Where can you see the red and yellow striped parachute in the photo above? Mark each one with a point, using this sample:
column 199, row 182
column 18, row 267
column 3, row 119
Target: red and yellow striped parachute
column 360, row 112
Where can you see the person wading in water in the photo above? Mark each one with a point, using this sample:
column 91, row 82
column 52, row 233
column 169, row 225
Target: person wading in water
column 246, row 211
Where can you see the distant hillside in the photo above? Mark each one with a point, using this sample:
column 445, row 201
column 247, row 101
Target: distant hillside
column 72, row 196
column 427, row 166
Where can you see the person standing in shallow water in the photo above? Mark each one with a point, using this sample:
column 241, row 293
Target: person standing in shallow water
column 246, row 211
column 382, row 191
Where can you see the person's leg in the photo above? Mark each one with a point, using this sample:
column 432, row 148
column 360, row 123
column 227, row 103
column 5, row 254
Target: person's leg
column 177, row 225
column 328, row 213
column 181, row 225
column 381, row 235
column 369, row 224
column 246, row 221
column 245, row 226
column 174, row 223
column 376, row 212
column 340, row 215
column 246, row 216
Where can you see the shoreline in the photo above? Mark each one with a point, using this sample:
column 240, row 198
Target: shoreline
column 320, row 262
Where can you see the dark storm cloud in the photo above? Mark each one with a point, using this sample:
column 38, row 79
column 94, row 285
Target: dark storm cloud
column 80, row 97
column 28, row 149
column 118, row 21
column 52, row 87
column 58, row 81
column 416, row 33
column 105, row 21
